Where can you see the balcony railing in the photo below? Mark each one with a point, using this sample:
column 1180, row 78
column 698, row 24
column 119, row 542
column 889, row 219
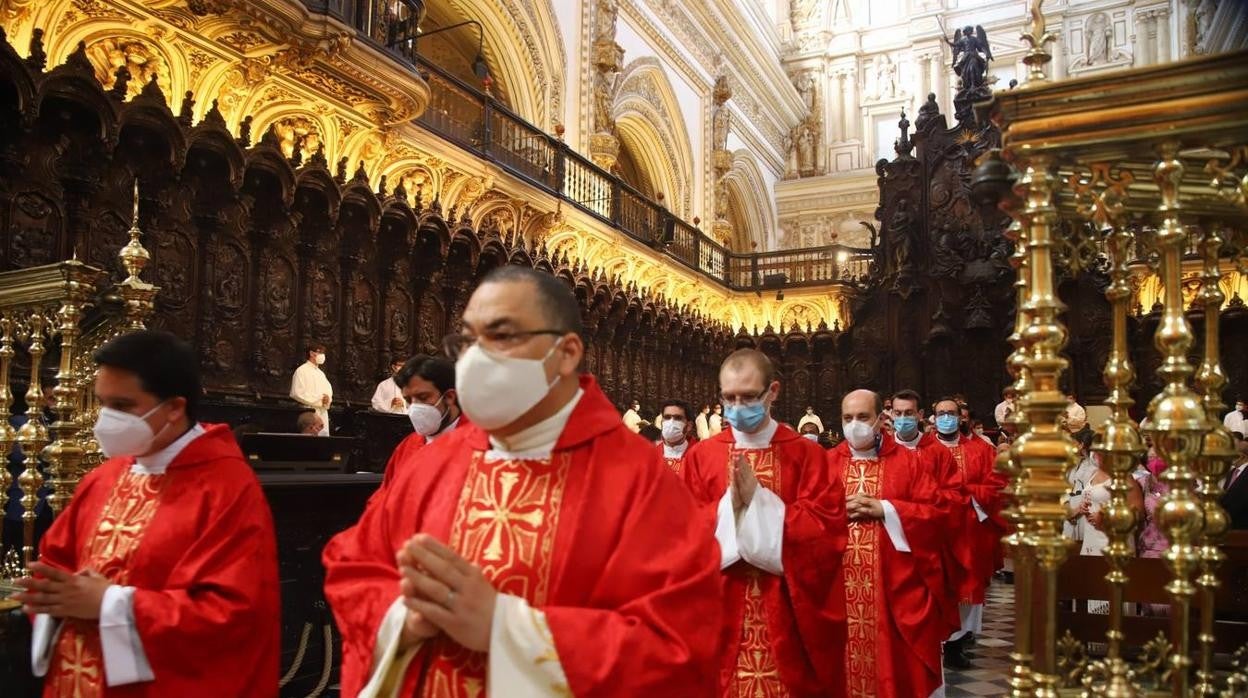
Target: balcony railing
column 478, row 123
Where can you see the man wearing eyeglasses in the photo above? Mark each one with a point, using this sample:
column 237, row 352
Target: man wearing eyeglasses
column 543, row 551
column 781, row 528
column 982, row 524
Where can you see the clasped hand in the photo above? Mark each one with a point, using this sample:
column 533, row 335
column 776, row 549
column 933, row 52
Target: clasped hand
column 443, row 592
column 62, row 594
column 744, row 483
column 860, row 507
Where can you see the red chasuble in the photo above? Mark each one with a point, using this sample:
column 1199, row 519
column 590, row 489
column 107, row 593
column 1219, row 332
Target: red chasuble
column 782, row 635
column 598, row 537
column 673, row 464
column 891, row 597
column 197, row 543
column 956, row 550
column 981, row 555
column 409, row 445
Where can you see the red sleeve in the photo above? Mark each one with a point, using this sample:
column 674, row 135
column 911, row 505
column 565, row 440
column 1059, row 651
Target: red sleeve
column 60, row 546
column 410, row 444
column 222, row 596
column 646, row 630
column 983, row 482
column 815, row 535
column 361, row 583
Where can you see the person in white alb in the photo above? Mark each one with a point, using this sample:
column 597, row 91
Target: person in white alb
column 310, row 387
column 810, row 418
column 388, row 397
column 701, row 425
column 1076, row 416
column 1006, row 408
column 1236, row 418
column 632, row 417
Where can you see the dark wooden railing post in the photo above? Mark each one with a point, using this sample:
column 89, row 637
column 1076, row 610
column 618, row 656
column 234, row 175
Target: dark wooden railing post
column 487, row 126
column 617, row 197
column 560, row 169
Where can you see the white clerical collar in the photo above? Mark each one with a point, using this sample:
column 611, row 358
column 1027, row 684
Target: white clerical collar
column 449, row 428
column 759, row 439
column 913, row 443
column 538, row 441
column 870, row 453
column 156, row 463
column 676, row 451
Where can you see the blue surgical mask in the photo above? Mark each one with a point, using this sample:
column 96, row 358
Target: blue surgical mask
column 746, row 418
column 906, row 426
column 947, row 423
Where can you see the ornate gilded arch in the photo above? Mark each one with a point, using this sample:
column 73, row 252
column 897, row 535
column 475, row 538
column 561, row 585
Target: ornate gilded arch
column 650, row 124
column 750, row 203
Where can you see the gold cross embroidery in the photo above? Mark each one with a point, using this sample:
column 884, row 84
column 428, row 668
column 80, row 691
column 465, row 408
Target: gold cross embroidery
column 511, row 506
column 79, row 671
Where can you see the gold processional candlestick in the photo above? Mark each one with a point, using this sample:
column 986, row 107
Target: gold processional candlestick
column 1178, row 423
column 1100, row 199
column 138, row 295
column 1045, row 451
column 33, row 436
column 8, row 435
column 1215, row 458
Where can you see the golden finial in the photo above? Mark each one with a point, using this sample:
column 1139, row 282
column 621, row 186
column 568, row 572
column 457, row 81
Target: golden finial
column 1038, row 37
column 134, row 256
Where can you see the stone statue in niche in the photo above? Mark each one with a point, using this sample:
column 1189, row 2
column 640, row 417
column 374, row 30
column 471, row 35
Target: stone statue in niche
column 805, row 84
column 721, row 118
column 885, row 77
column 1202, row 16
column 801, row 12
column 603, row 122
column 607, row 13
column 805, row 142
column 1099, row 35
column 971, row 55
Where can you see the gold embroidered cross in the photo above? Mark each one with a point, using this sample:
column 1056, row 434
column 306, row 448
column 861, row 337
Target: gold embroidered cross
column 513, row 505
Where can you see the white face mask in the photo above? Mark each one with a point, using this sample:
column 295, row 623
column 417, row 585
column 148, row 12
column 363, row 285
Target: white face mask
column 811, row 437
column 320, row 359
column 426, row 419
column 860, row 435
column 495, row 391
column 673, row 431
column 123, row 434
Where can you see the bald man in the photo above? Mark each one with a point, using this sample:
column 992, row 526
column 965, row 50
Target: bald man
column 781, row 528
column 891, row 576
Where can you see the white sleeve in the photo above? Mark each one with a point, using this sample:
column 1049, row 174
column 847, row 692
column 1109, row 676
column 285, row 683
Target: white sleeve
column 761, row 531
column 381, row 402
column 389, row 664
column 892, row 524
column 979, row 511
column 523, row 660
column 726, row 531
column 301, row 391
column 44, row 632
column 125, row 662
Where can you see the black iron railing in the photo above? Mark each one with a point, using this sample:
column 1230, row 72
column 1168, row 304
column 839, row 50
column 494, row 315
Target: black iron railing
column 475, row 121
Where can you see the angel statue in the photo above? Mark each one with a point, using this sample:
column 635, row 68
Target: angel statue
column 971, row 54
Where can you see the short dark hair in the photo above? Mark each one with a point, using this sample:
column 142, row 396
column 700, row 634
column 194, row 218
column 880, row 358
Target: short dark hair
column 166, row 366
column 556, row 300
column 672, row 402
column 435, row 369
column 314, row 346
column 755, row 357
column 910, row 396
column 948, row 398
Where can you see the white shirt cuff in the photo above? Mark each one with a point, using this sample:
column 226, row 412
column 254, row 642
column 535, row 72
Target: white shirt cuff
column 523, row 660
column 388, row 664
column 726, row 531
column 125, row 662
column 892, row 524
column 761, row 531
column 979, row 511
column 44, row 632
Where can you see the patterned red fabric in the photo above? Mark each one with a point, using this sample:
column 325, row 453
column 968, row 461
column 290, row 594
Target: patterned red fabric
column 198, row 545
column 957, row 550
column 629, row 582
column 803, row 615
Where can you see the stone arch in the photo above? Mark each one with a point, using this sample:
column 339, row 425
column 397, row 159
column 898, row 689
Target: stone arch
column 750, row 204
column 524, row 46
column 650, row 124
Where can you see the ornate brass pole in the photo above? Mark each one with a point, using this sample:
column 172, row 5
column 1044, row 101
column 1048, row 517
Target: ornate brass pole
column 64, row 455
column 32, row 436
column 1215, row 457
column 1045, row 451
column 8, row 435
column 1101, row 199
column 138, row 295
column 1178, row 422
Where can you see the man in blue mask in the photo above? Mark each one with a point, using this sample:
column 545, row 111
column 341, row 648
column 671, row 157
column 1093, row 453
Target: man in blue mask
column 781, row 527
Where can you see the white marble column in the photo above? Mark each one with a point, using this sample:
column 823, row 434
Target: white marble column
column 837, row 120
column 1163, row 35
column 851, row 104
column 937, row 80
column 923, row 63
column 1142, row 40
column 1057, row 69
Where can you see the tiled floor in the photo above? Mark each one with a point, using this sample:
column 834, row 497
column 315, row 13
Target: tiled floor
column 990, row 662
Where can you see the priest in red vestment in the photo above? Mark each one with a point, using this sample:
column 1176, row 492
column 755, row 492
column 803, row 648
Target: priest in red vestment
column 952, row 499
column 677, row 427
column 891, row 578
column 781, row 528
column 160, row 577
column 428, row 387
column 544, row 551
column 982, row 524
